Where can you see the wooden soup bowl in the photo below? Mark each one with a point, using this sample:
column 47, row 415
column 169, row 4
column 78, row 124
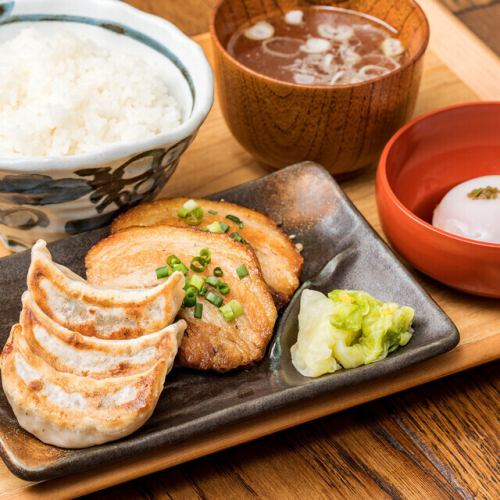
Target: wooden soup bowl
column 343, row 127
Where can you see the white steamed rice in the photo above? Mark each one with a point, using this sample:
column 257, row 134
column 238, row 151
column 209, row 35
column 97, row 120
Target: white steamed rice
column 63, row 93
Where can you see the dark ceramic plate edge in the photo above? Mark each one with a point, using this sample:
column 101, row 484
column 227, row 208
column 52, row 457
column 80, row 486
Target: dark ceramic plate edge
column 252, row 409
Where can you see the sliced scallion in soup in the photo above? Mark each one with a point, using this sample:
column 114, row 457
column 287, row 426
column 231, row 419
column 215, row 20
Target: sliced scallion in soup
column 318, row 46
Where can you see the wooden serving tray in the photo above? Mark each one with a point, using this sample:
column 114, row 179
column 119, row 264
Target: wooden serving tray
column 214, row 162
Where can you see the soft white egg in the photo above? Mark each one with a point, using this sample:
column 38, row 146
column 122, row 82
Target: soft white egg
column 472, row 210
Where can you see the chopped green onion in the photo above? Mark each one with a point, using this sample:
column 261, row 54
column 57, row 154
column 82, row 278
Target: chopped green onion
column 203, row 290
column 175, row 263
column 206, row 255
column 190, row 298
column 214, row 227
column 198, row 310
column 194, row 218
column 163, row 272
column 218, row 272
column 191, row 212
column 197, row 282
column 237, row 236
column 218, row 227
column 173, row 259
column 190, row 289
column 236, row 307
column 223, row 288
column 198, row 264
column 182, row 213
column 214, row 299
column 242, row 271
column 212, row 212
column 213, row 281
column 227, row 312
column 190, row 205
column 235, row 219
column 180, row 267
column 232, row 310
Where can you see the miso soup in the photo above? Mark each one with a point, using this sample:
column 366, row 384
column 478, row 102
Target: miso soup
column 318, row 46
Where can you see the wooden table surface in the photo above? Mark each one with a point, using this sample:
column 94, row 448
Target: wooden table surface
column 440, row 440
column 481, row 16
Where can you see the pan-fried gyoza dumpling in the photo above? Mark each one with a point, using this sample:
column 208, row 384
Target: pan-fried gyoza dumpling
column 68, row 351
column 70, row 411
column 106, row 313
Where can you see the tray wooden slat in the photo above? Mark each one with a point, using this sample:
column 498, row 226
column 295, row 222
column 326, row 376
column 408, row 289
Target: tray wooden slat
column 216, row 161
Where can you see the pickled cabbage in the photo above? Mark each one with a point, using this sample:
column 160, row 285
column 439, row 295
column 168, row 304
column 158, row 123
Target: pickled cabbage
column 312, row 355
column 348, row 329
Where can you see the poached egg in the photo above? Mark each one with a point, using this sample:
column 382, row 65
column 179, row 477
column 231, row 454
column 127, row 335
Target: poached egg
column 472, row 210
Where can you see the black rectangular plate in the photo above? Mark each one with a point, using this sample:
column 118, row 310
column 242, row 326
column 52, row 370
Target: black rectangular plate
column 340, row 251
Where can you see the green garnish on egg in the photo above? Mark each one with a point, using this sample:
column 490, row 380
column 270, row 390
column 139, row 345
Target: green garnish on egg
column 486, row 193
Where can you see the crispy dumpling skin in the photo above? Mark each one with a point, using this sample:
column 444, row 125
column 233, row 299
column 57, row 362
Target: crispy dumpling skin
column 69, row 411
column 81, row 355
column 129, row 258
column 280, row 261
column 105, row 313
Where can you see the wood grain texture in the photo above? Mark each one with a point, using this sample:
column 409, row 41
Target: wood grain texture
column 471, row 58
column 458, row 6
column 191, row 16
column 436, row 441
column 485, row 23
column 458, row 458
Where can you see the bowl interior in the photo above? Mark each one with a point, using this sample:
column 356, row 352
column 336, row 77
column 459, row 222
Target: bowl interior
column 446, row 148
column 180, row 59
column 405, row 16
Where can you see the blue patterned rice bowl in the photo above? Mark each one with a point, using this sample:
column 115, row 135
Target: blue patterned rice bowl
column 53, row 197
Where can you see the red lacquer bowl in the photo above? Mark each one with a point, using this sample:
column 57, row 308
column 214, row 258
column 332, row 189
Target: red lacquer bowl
column 419, row 165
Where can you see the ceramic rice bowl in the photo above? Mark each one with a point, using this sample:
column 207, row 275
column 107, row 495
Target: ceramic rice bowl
column 55, row 197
